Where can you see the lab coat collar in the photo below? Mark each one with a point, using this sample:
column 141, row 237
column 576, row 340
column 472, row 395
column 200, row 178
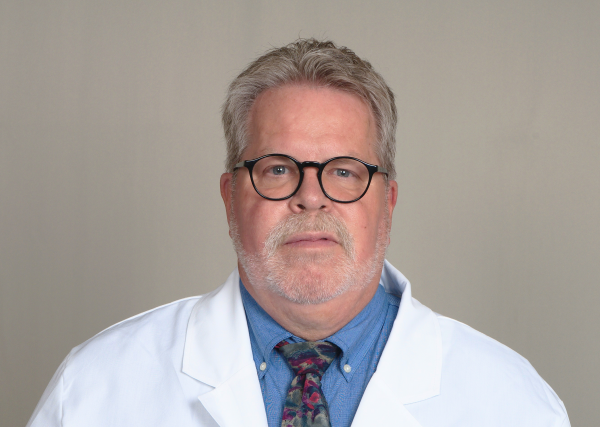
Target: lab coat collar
column 411, row 363
column 410, row 367
column 218, row 353
column 217, row 343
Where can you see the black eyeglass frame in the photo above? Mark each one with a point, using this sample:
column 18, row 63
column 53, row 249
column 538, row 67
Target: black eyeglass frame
column 249, row 164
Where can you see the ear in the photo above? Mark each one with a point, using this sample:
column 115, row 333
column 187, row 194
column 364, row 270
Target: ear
column 226, row 192
column 392, row 197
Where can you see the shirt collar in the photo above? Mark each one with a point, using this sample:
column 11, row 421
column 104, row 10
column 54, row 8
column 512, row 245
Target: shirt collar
column 266, row 331
column 359, row 335
column 355, row 339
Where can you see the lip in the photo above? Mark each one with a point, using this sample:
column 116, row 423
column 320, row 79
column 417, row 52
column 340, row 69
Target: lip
column 311, row 238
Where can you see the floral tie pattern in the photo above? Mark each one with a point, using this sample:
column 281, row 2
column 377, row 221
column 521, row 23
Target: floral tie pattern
column 305, row 404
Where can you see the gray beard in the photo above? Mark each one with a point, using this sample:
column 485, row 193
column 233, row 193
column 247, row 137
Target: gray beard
column 309, row 278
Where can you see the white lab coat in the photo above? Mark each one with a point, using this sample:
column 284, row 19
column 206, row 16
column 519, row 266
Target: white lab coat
column 189, row 363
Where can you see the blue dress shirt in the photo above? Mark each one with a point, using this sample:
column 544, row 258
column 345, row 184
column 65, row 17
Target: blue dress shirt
column 361, row 342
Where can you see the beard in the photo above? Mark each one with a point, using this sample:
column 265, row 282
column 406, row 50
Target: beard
column 309, row 277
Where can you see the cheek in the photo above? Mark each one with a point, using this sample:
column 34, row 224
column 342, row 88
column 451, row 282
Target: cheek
column 256, row 217
column 364, row 228
column 365, row 223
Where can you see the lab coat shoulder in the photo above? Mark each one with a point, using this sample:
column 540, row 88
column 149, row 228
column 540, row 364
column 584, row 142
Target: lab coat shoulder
column 153, row 336
column 446, row 373
column 89, row 382
column 483, row 380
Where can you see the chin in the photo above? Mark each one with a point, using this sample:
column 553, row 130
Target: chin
column 312, row 278
column 309, row 278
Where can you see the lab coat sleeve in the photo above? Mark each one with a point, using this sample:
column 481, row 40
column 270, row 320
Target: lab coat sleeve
column 48, row 412
column 566, row 422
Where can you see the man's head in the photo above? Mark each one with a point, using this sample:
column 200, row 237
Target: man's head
column 311, row 101
column 318, row 64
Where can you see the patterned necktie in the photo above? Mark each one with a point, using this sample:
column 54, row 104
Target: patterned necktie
column 305, row 404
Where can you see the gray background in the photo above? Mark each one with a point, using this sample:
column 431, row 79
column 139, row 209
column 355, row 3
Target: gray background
column 111, row 151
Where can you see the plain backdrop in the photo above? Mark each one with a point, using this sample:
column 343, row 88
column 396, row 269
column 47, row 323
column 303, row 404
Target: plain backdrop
column 111, row 150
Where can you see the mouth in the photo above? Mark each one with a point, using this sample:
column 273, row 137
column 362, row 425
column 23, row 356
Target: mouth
column 311, row 240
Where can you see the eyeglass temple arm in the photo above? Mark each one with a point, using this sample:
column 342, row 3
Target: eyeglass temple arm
column 380, row 169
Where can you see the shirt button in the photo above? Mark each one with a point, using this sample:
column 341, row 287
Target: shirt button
column 347, row 368
column 263, row 366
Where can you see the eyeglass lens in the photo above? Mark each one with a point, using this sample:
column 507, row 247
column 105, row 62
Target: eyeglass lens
column 277, row 177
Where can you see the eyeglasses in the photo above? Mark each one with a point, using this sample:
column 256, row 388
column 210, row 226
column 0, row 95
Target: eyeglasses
column 279, row 176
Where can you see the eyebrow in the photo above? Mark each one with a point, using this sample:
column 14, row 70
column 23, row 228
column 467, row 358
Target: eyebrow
column 269, row 150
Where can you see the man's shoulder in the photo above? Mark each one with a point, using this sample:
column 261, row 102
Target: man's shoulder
column 458, row 337
column 478, row 367
column 146, row 335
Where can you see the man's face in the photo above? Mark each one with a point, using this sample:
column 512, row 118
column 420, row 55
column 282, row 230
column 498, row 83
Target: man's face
column 308, row 248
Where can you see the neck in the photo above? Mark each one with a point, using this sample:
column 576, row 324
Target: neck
column 312, row 322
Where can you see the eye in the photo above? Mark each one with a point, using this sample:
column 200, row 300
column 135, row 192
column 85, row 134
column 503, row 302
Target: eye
column 279, row 170
column 343, row 173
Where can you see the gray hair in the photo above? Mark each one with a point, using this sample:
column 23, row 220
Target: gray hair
column 319, row 63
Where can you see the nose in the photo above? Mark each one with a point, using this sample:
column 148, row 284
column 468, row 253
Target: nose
column 310, row 196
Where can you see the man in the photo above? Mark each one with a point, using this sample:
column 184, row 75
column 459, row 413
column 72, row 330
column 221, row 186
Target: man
column 314, row 328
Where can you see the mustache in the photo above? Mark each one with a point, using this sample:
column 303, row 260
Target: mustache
column 304, row 223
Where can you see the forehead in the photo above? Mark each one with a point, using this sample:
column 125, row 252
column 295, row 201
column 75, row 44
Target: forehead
column 313, row 123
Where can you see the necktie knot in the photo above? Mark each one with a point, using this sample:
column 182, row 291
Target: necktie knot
column 308, row 357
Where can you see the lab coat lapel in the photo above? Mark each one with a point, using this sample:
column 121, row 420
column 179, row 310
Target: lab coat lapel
column 379, row 406
column 218, row 353
column 238, row 401
column 410, row 366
